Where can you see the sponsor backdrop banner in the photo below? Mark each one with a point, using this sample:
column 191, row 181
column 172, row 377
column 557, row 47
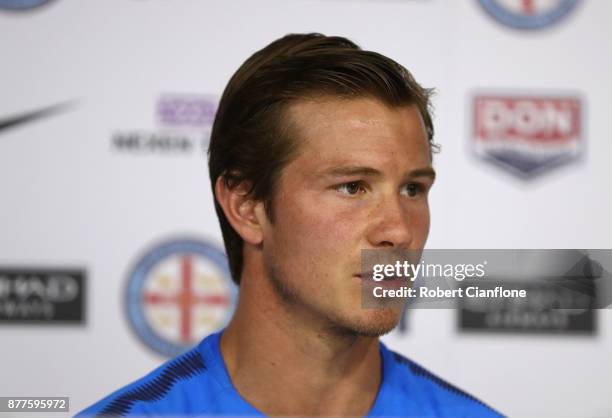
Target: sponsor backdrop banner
column 111, row 258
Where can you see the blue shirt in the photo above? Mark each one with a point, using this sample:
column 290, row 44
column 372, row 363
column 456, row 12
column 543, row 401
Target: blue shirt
column 197, row 383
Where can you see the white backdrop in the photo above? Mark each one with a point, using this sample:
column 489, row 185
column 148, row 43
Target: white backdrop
column 68, row 197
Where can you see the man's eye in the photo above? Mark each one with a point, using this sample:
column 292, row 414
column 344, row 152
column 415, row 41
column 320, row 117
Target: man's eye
column 413, row 189
column 352, row 188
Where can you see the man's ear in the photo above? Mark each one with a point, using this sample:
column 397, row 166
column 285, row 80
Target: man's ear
column 243, row 213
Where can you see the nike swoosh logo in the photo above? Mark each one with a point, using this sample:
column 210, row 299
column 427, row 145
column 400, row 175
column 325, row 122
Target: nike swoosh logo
column 33, row 115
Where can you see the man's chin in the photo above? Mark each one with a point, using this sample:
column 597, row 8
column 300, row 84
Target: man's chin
column 371, row 323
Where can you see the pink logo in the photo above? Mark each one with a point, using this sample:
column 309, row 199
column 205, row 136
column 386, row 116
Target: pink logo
column 527, row 135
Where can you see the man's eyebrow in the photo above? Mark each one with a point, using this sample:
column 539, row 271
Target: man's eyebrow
column 423, row 172
column 352, row 171
column 372, row 172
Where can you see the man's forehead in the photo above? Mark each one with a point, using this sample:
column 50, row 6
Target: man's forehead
column 356, row 125
column 358, row 132
column 337, row 113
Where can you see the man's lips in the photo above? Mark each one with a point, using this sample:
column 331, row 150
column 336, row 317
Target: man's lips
column 387, row 280
column 370, row 275
column 364, row 275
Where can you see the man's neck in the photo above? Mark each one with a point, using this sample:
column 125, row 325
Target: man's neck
column 288, row 365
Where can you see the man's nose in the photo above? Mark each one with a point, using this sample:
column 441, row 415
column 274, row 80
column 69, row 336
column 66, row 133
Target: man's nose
column 392, row 225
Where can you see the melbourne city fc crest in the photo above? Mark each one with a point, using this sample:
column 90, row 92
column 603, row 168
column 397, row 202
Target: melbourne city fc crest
column 178, row 293
column 21, row 4
column 528, row 14
column 527, row 135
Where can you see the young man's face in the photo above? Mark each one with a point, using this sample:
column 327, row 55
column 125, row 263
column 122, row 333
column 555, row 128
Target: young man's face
column 360, row 181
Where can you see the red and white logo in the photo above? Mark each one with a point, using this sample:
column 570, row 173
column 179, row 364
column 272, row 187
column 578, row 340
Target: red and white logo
column 178, row 293
column 529, row 14
column 527, row 134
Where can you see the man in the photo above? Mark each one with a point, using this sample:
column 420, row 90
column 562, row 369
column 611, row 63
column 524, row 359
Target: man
column 319, row 150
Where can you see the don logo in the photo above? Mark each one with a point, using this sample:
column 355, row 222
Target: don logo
column 528, row 14
column 21, row 4
column 527, row 135
column 178, row 293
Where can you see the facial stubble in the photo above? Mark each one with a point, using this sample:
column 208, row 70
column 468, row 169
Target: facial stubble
column 378, row 321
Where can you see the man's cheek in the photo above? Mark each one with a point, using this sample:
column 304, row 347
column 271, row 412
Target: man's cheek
column 334, row 227
column 422, row 224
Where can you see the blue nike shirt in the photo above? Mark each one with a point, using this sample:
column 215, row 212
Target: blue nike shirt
column 196, row 383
